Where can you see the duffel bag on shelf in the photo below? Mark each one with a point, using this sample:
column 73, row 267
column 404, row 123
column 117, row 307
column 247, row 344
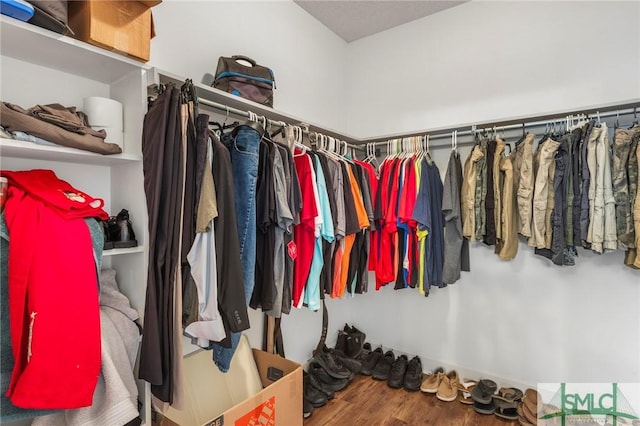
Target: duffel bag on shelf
column 242, row 76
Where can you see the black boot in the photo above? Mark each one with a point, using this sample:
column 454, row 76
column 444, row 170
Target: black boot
column 121, row 230
column 108, row 243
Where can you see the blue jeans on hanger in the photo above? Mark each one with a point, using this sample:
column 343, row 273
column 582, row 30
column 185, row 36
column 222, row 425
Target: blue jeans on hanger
column 243, row 144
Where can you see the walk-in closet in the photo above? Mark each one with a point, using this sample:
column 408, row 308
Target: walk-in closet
column 319, row 213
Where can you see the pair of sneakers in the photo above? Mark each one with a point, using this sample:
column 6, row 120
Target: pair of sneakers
column 405, row 373
column 398, row 372
column 445, row 386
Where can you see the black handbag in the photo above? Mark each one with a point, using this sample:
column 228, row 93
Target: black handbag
column 242, row 76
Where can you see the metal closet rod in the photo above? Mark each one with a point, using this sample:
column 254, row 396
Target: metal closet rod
column 245, row 114
column 611, row 111
column 489, row 126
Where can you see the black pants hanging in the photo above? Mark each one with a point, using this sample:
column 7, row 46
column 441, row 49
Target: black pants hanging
column 162, row 167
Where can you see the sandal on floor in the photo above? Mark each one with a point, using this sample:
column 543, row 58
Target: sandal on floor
column 529, row 415
column 506, row 409
column 480, row 408
column 465, row 389
column 531, row 398
column 483, row 391
column 509, row 394
column 521, row 418
column 524, row 422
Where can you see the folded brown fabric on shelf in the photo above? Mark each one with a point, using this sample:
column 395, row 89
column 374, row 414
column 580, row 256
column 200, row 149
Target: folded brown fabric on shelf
column 67, row 118
column 15, row 118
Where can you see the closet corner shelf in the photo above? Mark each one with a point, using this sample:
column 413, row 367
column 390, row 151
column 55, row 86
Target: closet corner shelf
column 212, row 94
column 116, row 252
column 30, row 43
column 21, row 149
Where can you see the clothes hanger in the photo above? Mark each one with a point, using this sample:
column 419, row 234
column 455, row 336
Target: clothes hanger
column 523, row 137
column 422, row 150
column 402, row 152
column 297, row 134
column 403, row 149
column 390, row 150
column 345, row 152
column 428, row 153
column 224, row 126
column 453, row 141
column 254, row 124
column 328, row 147
column 635, row 118
column 507, row 145
column 393, row 149
column 367, row 158
column 281, row 126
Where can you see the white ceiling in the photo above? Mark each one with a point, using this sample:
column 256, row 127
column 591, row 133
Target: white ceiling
column 355, row 19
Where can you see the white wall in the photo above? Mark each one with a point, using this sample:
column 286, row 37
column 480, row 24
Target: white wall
column 491, row 60
column 308, row 61
column 524, row 321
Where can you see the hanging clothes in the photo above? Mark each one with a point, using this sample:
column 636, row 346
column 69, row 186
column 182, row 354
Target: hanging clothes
column 263, row 292
column 541, row 199
column 313, row 290
column 576, row 171
column 362, row 283
column 508, row 216
column 497, row 193
column 468, row 196
column 634, row 183
column 329, row 170
column 524, row 180
column 231, row 297
column 604, row 230
column 428, row 214
column 204, row 211
column 208, row 326
column 301, row 250
column 456, row 248
column 585, row 215
column 622, row 141
column 355, row 268
column 284, row 222
column 162, row 168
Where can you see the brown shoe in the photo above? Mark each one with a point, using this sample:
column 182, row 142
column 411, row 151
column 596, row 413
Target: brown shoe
column 448, row 388
column 431, row 383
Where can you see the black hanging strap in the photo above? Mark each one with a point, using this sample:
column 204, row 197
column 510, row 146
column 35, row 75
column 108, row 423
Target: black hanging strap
column 325, row 323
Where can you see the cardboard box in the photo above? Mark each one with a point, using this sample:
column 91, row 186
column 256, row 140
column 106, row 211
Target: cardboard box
column 213, row 398
column 119, row 25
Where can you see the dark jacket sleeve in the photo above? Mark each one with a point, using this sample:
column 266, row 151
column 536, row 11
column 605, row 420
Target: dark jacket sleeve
column 231, row 298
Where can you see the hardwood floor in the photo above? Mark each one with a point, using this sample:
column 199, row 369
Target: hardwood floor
column 371, row 402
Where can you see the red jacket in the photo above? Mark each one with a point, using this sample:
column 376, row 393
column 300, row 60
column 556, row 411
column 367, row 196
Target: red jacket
column 53, row 292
